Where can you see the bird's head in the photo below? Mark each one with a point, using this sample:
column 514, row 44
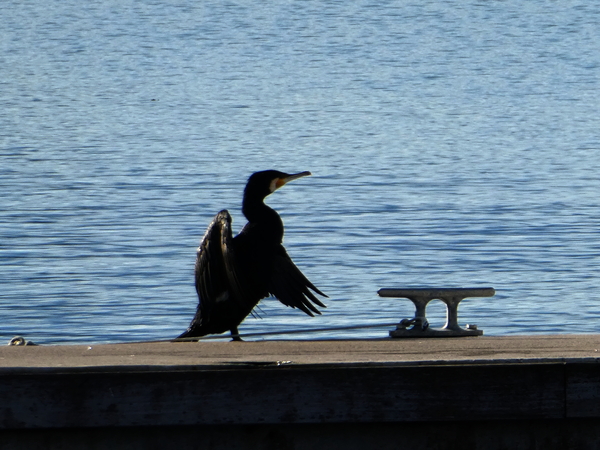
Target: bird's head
column 261, row 184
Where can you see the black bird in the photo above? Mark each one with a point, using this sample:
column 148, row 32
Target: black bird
column 234, row 273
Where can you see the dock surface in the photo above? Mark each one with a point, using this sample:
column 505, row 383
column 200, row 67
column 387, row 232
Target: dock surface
column 476, row 392
column 211, row 353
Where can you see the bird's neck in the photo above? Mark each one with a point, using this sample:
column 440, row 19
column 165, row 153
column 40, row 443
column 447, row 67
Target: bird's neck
column 262, row 217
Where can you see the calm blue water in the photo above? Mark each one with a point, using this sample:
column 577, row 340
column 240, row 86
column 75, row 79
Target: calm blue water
column 451, row 144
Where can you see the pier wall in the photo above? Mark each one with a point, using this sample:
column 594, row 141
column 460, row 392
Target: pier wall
column 468, row 404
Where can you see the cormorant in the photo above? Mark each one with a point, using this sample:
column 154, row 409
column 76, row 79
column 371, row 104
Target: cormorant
column 234, row 273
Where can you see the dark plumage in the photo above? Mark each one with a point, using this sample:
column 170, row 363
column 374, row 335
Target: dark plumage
column 234, row 273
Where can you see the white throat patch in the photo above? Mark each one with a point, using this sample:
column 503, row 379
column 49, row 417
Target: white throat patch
column 273, row 185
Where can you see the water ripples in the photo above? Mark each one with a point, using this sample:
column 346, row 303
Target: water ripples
column 451, row 145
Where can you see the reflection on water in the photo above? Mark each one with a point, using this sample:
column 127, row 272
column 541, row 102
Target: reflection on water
column 450, row 146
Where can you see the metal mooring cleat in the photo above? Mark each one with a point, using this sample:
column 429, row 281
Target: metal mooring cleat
column 419, row 326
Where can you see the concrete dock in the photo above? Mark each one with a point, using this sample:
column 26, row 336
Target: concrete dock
column 475, row 392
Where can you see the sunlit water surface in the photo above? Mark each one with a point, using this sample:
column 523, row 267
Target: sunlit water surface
column 451, row 144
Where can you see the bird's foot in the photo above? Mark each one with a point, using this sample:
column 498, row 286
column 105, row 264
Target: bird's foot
column 235, row 336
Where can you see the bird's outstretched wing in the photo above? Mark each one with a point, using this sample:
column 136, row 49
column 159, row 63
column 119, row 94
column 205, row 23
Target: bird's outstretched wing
column 291, row 287
column 216, row 278
column 215, row 266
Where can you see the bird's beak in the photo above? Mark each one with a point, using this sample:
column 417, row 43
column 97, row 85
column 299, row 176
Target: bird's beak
column 283, row 180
